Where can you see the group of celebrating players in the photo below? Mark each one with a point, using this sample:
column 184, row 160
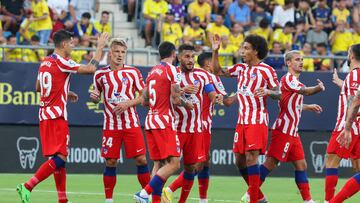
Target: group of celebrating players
column 180, row 101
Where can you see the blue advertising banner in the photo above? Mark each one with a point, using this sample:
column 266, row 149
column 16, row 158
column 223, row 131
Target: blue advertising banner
column 19, row 101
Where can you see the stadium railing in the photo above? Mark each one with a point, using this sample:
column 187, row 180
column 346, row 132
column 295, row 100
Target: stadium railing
column 151, row 54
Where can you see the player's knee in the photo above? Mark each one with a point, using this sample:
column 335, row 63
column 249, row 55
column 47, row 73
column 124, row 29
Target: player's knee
column 59, row 162
column 140, row 160
column 111, row 162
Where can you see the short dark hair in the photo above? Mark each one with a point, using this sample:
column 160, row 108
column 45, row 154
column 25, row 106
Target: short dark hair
column 61, row 36
column 264, row 23
column 289, row 24
column 321, row 44
column 202, row 58
column 259, row 44
column 186, row 47
column 35, row 38
column 287, row 2
column 355, row 49
column 105, row 12
column 86, row 15
column 166, row 49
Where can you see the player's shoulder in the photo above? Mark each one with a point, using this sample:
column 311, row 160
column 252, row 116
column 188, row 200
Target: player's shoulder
column 102, row 70
column 130, row 69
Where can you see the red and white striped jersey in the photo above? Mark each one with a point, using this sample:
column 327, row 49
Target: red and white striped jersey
column 290, row 105
column 190, row 121
column 158, row 83
column 252, row 109
column 119, row 86
column 54, row 78
column 208, row 106
column 349, row 88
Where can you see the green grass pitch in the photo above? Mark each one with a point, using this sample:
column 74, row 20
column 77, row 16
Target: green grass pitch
column 89, row 189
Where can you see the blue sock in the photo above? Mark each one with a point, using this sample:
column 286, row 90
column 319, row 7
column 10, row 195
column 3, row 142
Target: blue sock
column 264, row 172
column 301, row 177
column 110, row 171
column 142, row 169
column 204, row 174
column 156, row 184
column 331, row 172
column 357, row 177
column 253, row 170
column 189, row 176
column 58, row 162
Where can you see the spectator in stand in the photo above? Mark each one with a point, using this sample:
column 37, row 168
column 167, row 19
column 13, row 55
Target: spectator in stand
column 2, row 38
column 78, row 7
column 217, row 27
column 323, row 64
column 341, row 13
column 276, row 62
column 340, row 41
column 202, row 9
column 131, row 6
column 317, row 35
column 284, row 36
column 27, row 28
column 41, row 17
column 227, row 48
column 194, row 34
column 236, row 37
column 12, row 14
column 356, row 13
column 263, row 30
column 78, row 55
column 322, row 12
column 170, row 30
column 356, row 35
column 304, row 15
column 12, row 54
column 152, row 11
column 103, row 25
column 60, row 14
column 259, row 13
column 308, row 63
column 179, row 11
column 33, row 55
column 284, row 14
column 239, row 12
column 85, row 29
column 299, row 39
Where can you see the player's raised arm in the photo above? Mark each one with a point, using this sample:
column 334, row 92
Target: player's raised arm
column 215, row 44
column 312, row 90
column 91, row 67
column 336, row 80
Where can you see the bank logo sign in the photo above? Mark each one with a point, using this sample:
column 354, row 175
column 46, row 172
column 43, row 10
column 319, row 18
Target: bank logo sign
column 27, row 148
column 318, row 150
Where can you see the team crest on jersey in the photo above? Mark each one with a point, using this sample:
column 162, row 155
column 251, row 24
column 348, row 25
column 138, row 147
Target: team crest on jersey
column 178, row 77
column 125, row 81
column 196, row 82
column 294, row 84
column 105, row 150
column 253, row 76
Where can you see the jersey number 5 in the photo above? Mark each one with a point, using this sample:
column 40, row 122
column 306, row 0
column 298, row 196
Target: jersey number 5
column 152, row 93
column 45, row 80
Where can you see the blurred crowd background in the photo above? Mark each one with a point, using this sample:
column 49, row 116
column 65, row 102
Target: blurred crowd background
column 316, row 27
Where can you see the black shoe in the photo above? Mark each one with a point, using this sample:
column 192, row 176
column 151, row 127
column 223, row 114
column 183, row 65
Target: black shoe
column 129, row 18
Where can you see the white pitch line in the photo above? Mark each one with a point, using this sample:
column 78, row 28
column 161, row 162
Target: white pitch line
column 101, row 194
